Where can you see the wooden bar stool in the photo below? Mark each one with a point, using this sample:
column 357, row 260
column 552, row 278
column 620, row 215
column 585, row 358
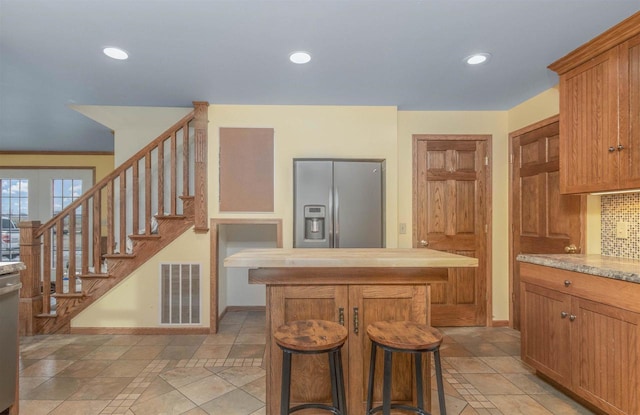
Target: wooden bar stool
column 405, row 337
column 313, row 337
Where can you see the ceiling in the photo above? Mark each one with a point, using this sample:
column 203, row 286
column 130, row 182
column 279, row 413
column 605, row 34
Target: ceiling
column 404, row 53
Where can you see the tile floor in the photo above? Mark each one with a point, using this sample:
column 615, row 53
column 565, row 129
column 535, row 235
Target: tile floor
column 223, row 374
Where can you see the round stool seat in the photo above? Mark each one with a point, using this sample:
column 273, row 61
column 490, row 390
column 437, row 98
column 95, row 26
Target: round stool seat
column 310, row 335
column 404, row 335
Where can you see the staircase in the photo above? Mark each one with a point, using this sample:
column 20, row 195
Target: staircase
column 115, row 227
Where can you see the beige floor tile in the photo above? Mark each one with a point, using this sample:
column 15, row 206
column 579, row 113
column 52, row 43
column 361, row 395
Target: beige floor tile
column 46, row 368
column 257, row 389
column 172, row 403
column 157, row 387
column 142, row 352
column 492, row 384
column 40, row 407
column 242, row 375
column 506, row 364
column 73, row 351
column 229, row 328
column 261, row 411
column 468, row 365
column 39, row 353
column 482, row 348
column 80, row 408
column 196, row 411
column 529, row 383
column 124, row 368
column 179, row 377
column 511, row 348
column 254, row 351
column 234, row 318
column 30, row 383
column 100, row 388
column 92, row 339
column 84, row 369
column 125, row 340
column 155, row 340
column 212, row 351
column 54, row 389
column 236, row 402
column 257, row 329
column 188, row 340
column 219, row 339
column 518, row 404
column 455, row 406
column 206, row 389
column 454, row 350
column 107, row 352
column 251, row 338
column 177, row 352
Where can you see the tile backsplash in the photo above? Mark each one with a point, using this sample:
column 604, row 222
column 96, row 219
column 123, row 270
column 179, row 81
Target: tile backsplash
column 620, row 208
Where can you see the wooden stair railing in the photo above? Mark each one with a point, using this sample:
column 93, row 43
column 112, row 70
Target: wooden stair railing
column 115, row 226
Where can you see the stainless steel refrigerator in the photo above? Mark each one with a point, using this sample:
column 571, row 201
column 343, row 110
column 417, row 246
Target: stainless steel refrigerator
column 338, row 203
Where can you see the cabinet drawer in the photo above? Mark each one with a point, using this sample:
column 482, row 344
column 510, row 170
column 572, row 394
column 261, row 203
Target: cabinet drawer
column 617, row 293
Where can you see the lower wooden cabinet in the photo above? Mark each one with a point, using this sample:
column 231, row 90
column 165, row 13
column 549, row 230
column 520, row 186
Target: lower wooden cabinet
column 583, row 332
column 356, row 306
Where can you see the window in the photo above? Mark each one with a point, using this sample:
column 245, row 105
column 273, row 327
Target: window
column 14, row 206
column 63, row 193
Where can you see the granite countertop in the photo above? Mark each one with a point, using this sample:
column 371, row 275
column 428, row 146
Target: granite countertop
column 347, row 257
column 10, row 267
column 602, row 266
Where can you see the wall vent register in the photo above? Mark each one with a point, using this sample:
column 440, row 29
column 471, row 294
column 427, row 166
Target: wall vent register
column 180, row 293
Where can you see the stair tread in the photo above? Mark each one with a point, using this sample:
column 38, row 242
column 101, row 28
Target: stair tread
column 119, row 256
column 171, row 217
column 68, row 295
column 44, row 315
column 144, row 236
column 89, row 276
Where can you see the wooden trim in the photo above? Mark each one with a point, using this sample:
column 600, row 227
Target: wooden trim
column 236, row 308
column 213, row 266
column 600, row 44
column 139, row 330
column 500, row 323
column 488, row 208
column 201, row 209
column 534, row 126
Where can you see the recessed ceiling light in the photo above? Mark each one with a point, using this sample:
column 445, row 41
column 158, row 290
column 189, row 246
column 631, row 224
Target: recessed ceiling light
column 116, row 53
column 300, row 57
column 477, row 58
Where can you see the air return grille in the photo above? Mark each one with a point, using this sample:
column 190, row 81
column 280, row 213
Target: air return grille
column 180, row 293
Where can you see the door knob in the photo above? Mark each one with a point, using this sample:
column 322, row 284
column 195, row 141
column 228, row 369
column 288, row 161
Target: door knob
column 571, row 249
column 424, row 243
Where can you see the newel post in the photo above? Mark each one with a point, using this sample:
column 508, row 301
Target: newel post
column 200, row 169
column 30, row 294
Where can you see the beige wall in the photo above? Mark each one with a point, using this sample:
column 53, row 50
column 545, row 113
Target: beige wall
column 103, row 163
column 311, row 131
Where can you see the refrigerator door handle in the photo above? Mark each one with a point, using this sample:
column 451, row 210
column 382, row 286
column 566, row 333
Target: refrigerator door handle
column 330, row 218
column 336, row 219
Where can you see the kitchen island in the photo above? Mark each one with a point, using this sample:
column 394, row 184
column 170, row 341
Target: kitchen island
column 354, row 287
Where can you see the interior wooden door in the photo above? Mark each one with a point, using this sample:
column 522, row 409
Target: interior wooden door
column 543, row 220
column 451, row 205
column 367, row 304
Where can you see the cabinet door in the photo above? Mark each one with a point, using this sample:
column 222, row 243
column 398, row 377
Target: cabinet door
column 546, row 331
column 376, row 303
column 605, row 356
column 310, row 373
column 589, row 125
column 630, row 113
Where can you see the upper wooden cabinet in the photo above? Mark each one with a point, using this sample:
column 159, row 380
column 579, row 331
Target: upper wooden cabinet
column 600, row 112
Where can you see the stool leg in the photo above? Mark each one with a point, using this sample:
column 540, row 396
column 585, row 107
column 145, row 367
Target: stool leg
column 386, row 387
column 341, row 393
column 334, row 379
column 419, row 386
column 286, row 383
column 436, row 357
column 372, row 370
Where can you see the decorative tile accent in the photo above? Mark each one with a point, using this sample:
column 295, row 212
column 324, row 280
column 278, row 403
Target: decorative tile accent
column 620, row 208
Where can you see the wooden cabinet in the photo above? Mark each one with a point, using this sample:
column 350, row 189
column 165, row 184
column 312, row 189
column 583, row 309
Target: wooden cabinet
column 583, row 332
column 599, row 107
column 356, row 306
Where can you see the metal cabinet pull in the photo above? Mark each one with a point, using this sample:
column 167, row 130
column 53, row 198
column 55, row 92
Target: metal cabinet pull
column 612, row 149
column 571, row 249
column 567, row 283
column 355, row 320
column 564, row 314
column 423, row 243
column 341, row 316
column 572, row 317
column 620, row 147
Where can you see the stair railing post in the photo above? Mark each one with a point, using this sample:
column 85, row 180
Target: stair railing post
column 201, row 211
column 30, row 293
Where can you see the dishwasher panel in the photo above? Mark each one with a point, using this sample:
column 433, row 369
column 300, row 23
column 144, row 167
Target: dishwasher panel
column 9, row 290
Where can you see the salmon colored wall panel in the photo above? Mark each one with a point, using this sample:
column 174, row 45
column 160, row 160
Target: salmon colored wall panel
column 246, row 169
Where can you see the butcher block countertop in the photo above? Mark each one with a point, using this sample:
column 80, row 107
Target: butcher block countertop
column 347, row 258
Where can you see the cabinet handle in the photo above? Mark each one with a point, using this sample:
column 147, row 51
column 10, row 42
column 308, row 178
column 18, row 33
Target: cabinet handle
column 612, row 149
column 355, row 320
column 571, row 249
column 341, row 316
column 620, row 147
column 572, row 317
column 424, row 243
column 564, row 314
column 567, row 283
